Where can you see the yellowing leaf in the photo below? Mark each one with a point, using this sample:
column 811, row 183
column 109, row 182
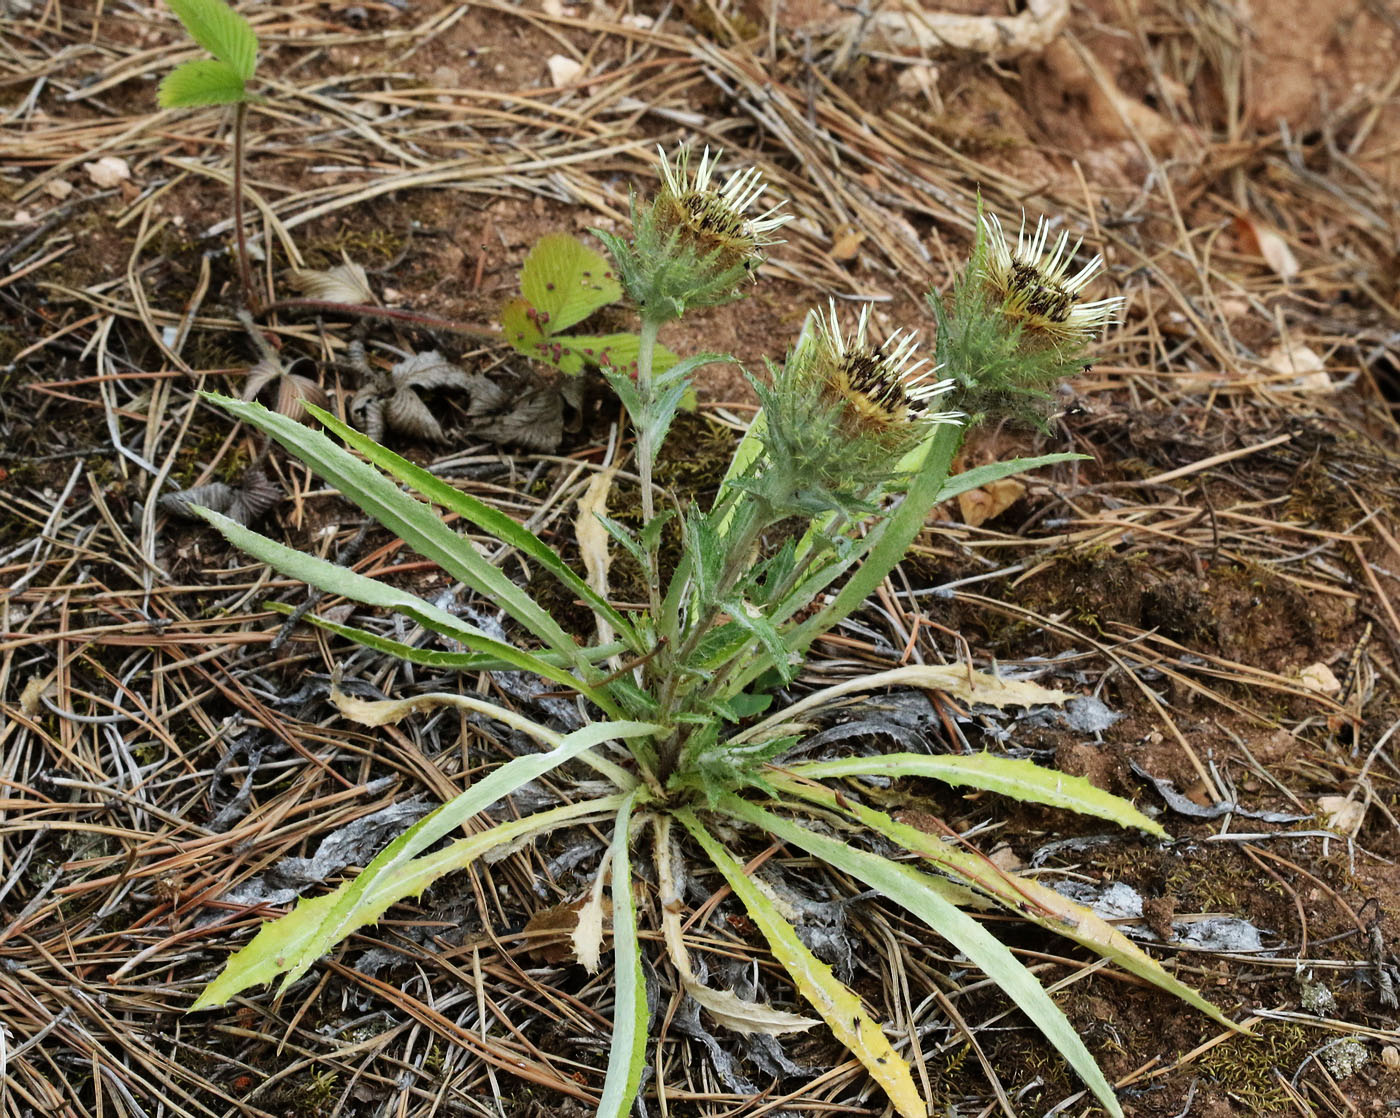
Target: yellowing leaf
column 835, row 1002
column 1007, row 776
column 593, row 540
column 963, row 683
column 922, row 896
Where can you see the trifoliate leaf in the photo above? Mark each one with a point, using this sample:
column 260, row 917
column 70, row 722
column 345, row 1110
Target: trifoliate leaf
column 204, row 81
column 566, row 281
column 222, row 32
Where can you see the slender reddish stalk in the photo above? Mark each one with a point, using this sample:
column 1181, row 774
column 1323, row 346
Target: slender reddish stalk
column 395, row 314
column 245, row 271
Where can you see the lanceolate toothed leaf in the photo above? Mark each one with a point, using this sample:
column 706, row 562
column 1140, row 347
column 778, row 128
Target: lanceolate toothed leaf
column 1021, row 896
column 438, row 658
column 221, row 31
column 396, row 860
column 202, row 81
column 1009, row 776
column 414, row 522
column 335, row 579
column 979, row 476
column 631, row 1015
column 837, row 1005
column 476, row 512
column 280, row 943
column 912, row 889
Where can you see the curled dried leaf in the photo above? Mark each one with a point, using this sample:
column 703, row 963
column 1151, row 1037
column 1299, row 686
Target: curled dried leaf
column 427, row 371
column 406, row 413
column 287, row 390
column 344, row 283
column 532, row 418
column 367, row 413
column 393, row 403
column 216, row 495
column 746, row 1017
column 255, row 495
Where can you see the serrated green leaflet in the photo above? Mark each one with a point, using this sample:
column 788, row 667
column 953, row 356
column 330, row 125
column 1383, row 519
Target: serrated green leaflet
column 912, row 890
column 202, row 81
column 413, row 521
column 476, row 512
column 566, row 281
column 627, row 1052
column 572, row 353
column 1008, row 776
column 221, row 31
column 836, row 1003
column 306, row 933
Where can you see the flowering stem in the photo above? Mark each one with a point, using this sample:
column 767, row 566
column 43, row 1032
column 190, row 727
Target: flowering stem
column 646, row 450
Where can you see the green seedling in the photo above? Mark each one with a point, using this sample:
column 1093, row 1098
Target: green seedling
column 221, row 80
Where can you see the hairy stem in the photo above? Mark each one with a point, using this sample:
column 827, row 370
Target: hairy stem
column 646, row 451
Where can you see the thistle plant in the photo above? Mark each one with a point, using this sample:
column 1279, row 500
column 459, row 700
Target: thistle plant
column 220, row 80
column 675, row 701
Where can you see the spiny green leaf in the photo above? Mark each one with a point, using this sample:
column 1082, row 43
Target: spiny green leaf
column 202, row 81
column 478, row 513
column 1021, row 896
column 566, row 281
column 979, row 476
column 1009, row 776
column 628, row 1051
column 916, row 892
column 335, row 579
column 314, row 926
column 414, row 522
column 437, row 658
column 361, row 902
column 221, row 31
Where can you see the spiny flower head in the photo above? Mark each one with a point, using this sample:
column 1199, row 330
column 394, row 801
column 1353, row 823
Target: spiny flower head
column 713, row 220
column 879, row 388
column 841, row 415
column 1033, row 285
column 697, row 243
